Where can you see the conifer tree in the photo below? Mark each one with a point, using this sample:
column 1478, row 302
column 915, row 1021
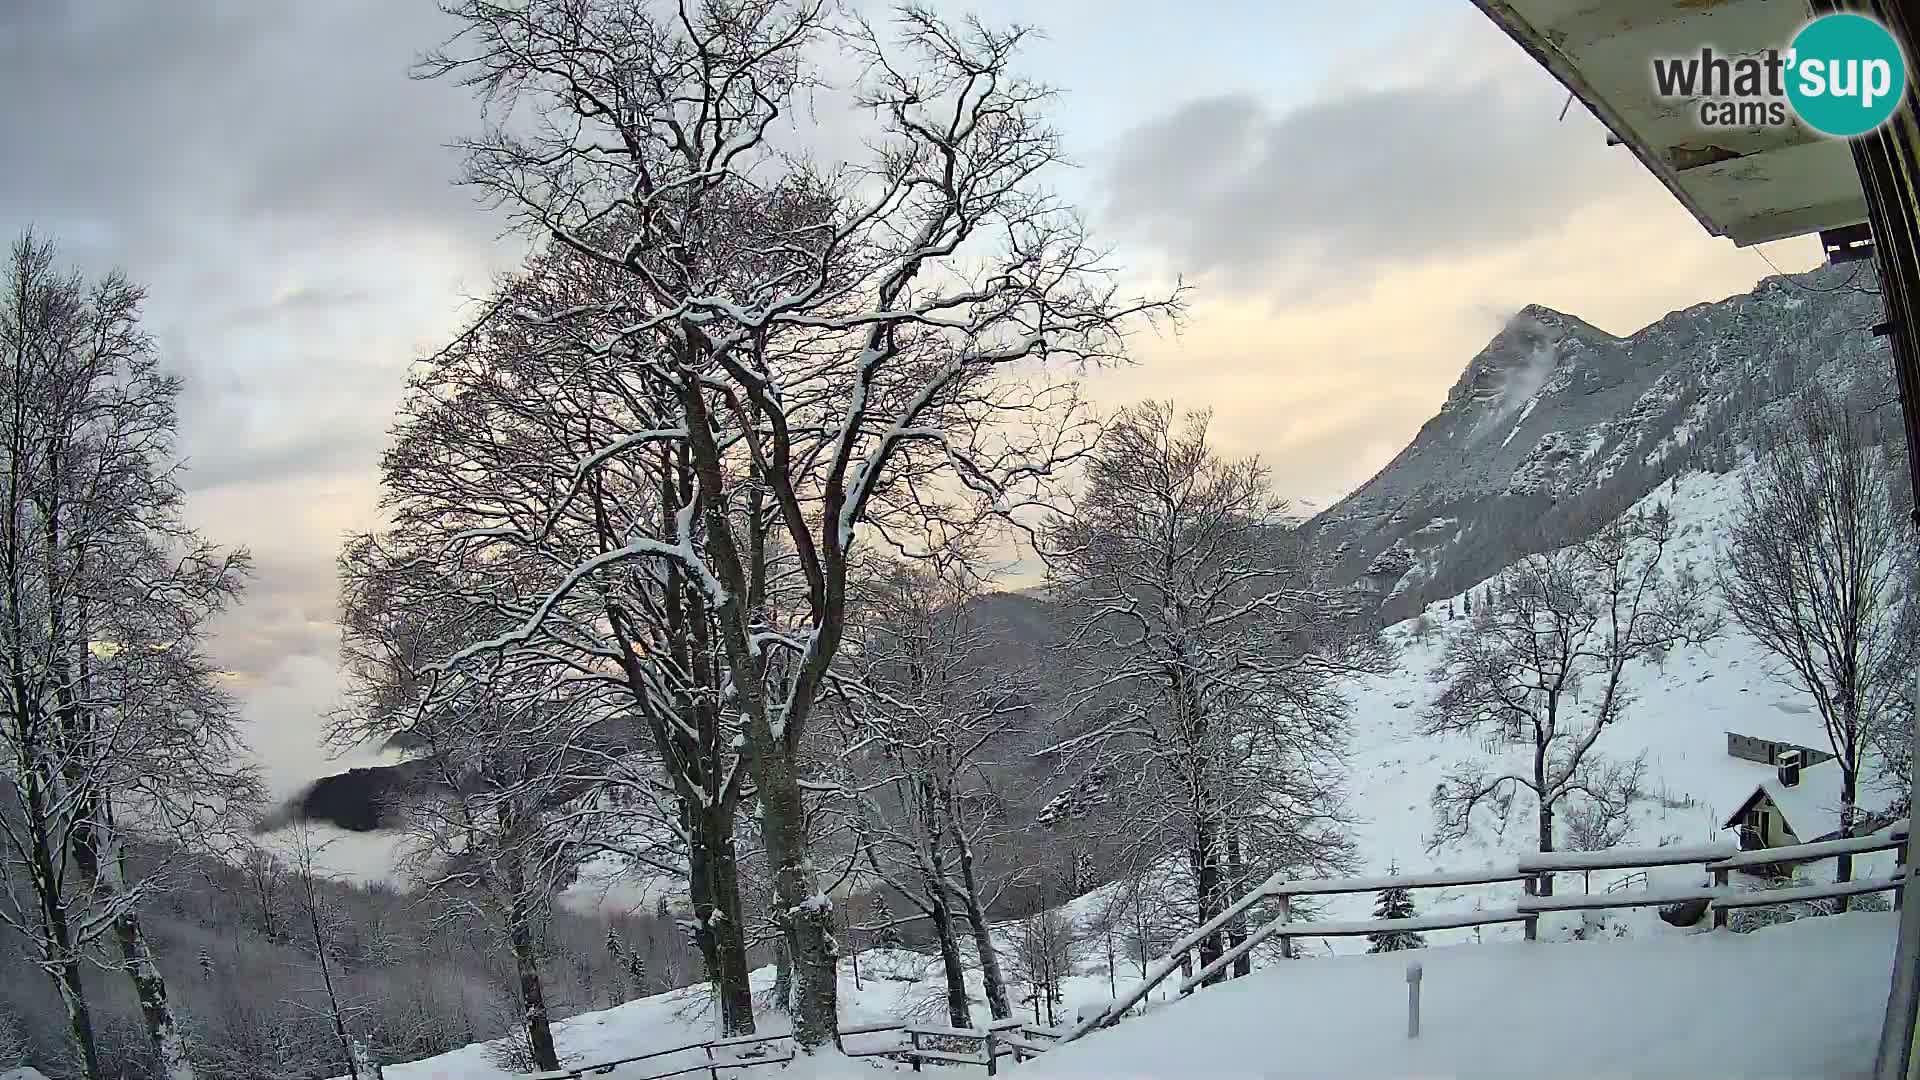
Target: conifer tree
column 1395, row 902
column 885, row 935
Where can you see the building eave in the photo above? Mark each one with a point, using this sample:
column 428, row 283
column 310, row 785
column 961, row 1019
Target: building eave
column 1749, row 184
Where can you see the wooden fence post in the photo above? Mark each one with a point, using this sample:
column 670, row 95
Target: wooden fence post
column 1899, row 874
column 1286, row 916
column 914, row 1054
column 1719, row 913
column 993, row 1067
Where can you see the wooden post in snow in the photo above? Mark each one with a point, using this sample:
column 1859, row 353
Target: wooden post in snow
column 1719, row 913
column 1413, row 1000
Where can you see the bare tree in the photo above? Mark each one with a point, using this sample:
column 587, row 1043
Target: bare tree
column 319, row 931
column 1522, row 675
column 828, row 361
column 929, row 707
column 1045, row 947
column 1210, row 658
column 1815, row 573
column 113, row 722
column 471, row 478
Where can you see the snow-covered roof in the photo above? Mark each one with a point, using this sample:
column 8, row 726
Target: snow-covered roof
column 1784, row 720
column 1811, row 807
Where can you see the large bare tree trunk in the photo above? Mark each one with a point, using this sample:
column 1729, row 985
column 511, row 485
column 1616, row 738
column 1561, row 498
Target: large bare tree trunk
column 1543, row 885
column 804, row 914
column 1849, row 798
column 526, row 963
column 990, row 972
column 1237, row 876
column 959, row 1011
column 1206, row 884
column 99, row 860
column 150, row 988
column 63, row 960
column 718, row 928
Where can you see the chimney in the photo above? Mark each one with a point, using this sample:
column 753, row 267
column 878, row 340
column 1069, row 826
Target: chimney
column 1789, row 762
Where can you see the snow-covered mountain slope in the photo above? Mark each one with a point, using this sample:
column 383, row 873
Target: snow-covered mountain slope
column 1680, row 713
column 1557, row 425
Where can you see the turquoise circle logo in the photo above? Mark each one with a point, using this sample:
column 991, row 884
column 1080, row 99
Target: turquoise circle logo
column 1847, row 75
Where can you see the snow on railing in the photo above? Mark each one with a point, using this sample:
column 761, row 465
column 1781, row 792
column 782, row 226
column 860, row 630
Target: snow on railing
column 1717, row 858
column 1824, row 849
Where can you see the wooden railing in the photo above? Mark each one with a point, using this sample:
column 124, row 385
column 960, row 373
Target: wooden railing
column 1012, row 1037
column 1534, row 871
column 923, row 1043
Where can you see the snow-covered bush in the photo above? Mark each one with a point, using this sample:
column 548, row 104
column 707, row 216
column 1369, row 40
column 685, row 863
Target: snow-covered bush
column 1747, row 920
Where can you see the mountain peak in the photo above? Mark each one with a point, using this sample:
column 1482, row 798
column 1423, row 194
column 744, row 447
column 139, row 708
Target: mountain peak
column 1555, row 424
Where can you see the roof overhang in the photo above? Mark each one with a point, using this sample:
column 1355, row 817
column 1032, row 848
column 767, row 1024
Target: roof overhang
column 1750, row 184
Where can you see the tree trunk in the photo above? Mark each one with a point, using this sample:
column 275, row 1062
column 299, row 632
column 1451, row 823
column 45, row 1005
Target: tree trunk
column 804, row 913
column 1543, row 885
column 1237, row 879
column 1206, row 883
column 150, row 988
column 527, row 966
column 1849, row 795
column 713, row 885
column 56, row 944
column 996, row 985
column 728, row 928
column 783, row 977
column 959, row 1013
column 98, row 858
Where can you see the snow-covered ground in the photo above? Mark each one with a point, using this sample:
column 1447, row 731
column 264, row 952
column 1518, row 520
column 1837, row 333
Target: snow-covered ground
column 1798, row 1000
column 1803, row 999
column 1680, row 714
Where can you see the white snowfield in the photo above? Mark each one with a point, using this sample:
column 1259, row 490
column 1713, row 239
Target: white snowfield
column 1679, row 716
column 1796, row 1001
column 1799, row 1000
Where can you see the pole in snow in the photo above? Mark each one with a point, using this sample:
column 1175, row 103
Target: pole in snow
column 1413, row 1000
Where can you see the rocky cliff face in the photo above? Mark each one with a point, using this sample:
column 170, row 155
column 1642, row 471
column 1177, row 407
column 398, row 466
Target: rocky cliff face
column 1557, row 426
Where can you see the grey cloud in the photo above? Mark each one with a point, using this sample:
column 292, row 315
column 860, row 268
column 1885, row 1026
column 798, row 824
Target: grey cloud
column 1228, row 187
column 287, row 195
column 144, row 124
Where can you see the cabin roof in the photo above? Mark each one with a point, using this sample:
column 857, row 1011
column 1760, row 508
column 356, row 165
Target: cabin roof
column 1811, row 807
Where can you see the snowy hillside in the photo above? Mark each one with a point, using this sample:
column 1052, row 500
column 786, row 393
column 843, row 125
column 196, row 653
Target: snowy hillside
column 1680, row 714
column 1670, row 1009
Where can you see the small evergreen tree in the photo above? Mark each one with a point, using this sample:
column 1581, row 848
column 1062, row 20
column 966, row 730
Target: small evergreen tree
column 885, row 934
column 1395, row 902
column 1449, row 609
column 1468, row 599
column 637, row 972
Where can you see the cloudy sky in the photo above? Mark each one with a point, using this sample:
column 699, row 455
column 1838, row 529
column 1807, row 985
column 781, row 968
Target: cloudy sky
column 1358, row 200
